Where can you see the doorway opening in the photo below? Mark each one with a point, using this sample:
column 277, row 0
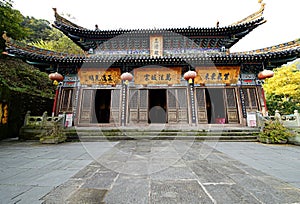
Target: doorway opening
column 102, row 105
column 157, row 106
column 215, row 106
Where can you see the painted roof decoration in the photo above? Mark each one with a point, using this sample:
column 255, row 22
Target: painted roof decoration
column 204, row 37
column 181, row 46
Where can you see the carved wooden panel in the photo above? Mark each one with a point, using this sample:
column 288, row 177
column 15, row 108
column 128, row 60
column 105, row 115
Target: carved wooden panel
column 87, row 106
column 143, row 106
column 115, row 106
column 66, row 100
column 177, row 105
column 201, row 105
column 172, row 116
column 182, row 99
column 172, row 107
column 250, row 98
column 231, row 99
column 202, row 116
column 253, row 98
column 231, row 105
column 133, row 106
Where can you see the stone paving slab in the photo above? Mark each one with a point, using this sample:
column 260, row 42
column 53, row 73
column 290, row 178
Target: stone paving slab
column 281, row 161
column 29, row 170
column 202, row 175
column 148, row 172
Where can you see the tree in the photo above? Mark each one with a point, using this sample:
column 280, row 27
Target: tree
column 11, row 21
column 283, row 90
column 58, row 42
column 39, row 29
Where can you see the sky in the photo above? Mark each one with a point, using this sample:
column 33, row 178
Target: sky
column 282, row 16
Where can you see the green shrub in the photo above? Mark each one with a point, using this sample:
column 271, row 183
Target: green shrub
column 274, row 132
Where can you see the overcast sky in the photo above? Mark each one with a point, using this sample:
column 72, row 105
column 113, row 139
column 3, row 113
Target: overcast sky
column 282, row 16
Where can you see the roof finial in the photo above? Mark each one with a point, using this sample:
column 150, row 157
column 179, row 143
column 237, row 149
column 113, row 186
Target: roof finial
column 253, row 16
column 5, row 37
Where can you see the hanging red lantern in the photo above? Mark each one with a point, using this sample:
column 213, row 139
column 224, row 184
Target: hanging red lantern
column 265, row 74
column 126, row 77
column 56, row 77
column 189, row 76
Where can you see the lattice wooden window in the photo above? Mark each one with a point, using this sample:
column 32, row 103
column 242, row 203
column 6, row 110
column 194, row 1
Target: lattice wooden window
column 116, row 99
column 231, row 101
column 250, row 98
column 200, row 98
column 66, row 102
column 133, row 100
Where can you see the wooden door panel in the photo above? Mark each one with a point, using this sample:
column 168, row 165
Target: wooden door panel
column 115, row 106
column 143, row 106
column 231, row 105
column 201, row 105
column 87, row 106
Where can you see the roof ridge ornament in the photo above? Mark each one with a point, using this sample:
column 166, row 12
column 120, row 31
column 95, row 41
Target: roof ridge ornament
column 294, row 44
column 5, row 37
column 8, row 40
column 253, row 16
column 63, row 20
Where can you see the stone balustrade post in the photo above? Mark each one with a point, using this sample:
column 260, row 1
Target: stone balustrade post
column 277, row 115
column 26, row 120
column 296, row 113
column 259, row 119
column 44, row 118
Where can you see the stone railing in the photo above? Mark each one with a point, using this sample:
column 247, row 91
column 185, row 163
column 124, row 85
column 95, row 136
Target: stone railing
column 43, row 121
column 291, row 120
column 36, row 126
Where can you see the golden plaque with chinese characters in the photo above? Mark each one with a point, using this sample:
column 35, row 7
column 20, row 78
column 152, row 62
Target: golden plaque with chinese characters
column 100, row 76
column 162, row 75
column 217, row 75
column 156, row 46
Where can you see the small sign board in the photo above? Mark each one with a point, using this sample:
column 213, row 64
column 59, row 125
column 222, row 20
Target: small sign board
column 69, row 120
column 251, row 119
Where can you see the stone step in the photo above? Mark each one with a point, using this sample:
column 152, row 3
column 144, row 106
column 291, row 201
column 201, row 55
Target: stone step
column 216, row 133
column 181, row 136
column 198, row 138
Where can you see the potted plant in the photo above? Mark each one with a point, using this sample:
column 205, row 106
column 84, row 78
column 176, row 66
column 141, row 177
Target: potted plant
column 274, row 132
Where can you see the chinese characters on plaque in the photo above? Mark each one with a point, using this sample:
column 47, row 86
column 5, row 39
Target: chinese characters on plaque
column 156, row 46
column 217, row 75
column 100, row 76
column 163, row 75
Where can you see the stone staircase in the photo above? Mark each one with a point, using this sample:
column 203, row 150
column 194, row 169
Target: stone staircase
column 237, row 134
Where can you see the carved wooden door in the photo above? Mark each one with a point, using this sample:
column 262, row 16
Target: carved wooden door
column 115, row 106
column 231, row 105
column 87, row 106
column 177, row 110
column 201, row 105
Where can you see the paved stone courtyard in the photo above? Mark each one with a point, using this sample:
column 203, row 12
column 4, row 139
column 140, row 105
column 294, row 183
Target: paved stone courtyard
column 149, row 171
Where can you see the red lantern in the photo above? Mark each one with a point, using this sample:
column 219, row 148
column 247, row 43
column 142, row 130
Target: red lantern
column 56, row 77
column 126, row 77
column 265, row 74
column 190, row 75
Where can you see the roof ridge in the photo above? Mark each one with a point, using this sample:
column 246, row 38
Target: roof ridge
column 275, row 48
column 254, row 16
column 65, row 21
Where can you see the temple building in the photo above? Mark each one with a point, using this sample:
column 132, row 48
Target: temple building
column 159, row 76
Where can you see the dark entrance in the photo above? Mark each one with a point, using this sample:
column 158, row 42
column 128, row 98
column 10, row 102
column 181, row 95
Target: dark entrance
column 157, row 106
column 102, row 106
column 215, row 105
